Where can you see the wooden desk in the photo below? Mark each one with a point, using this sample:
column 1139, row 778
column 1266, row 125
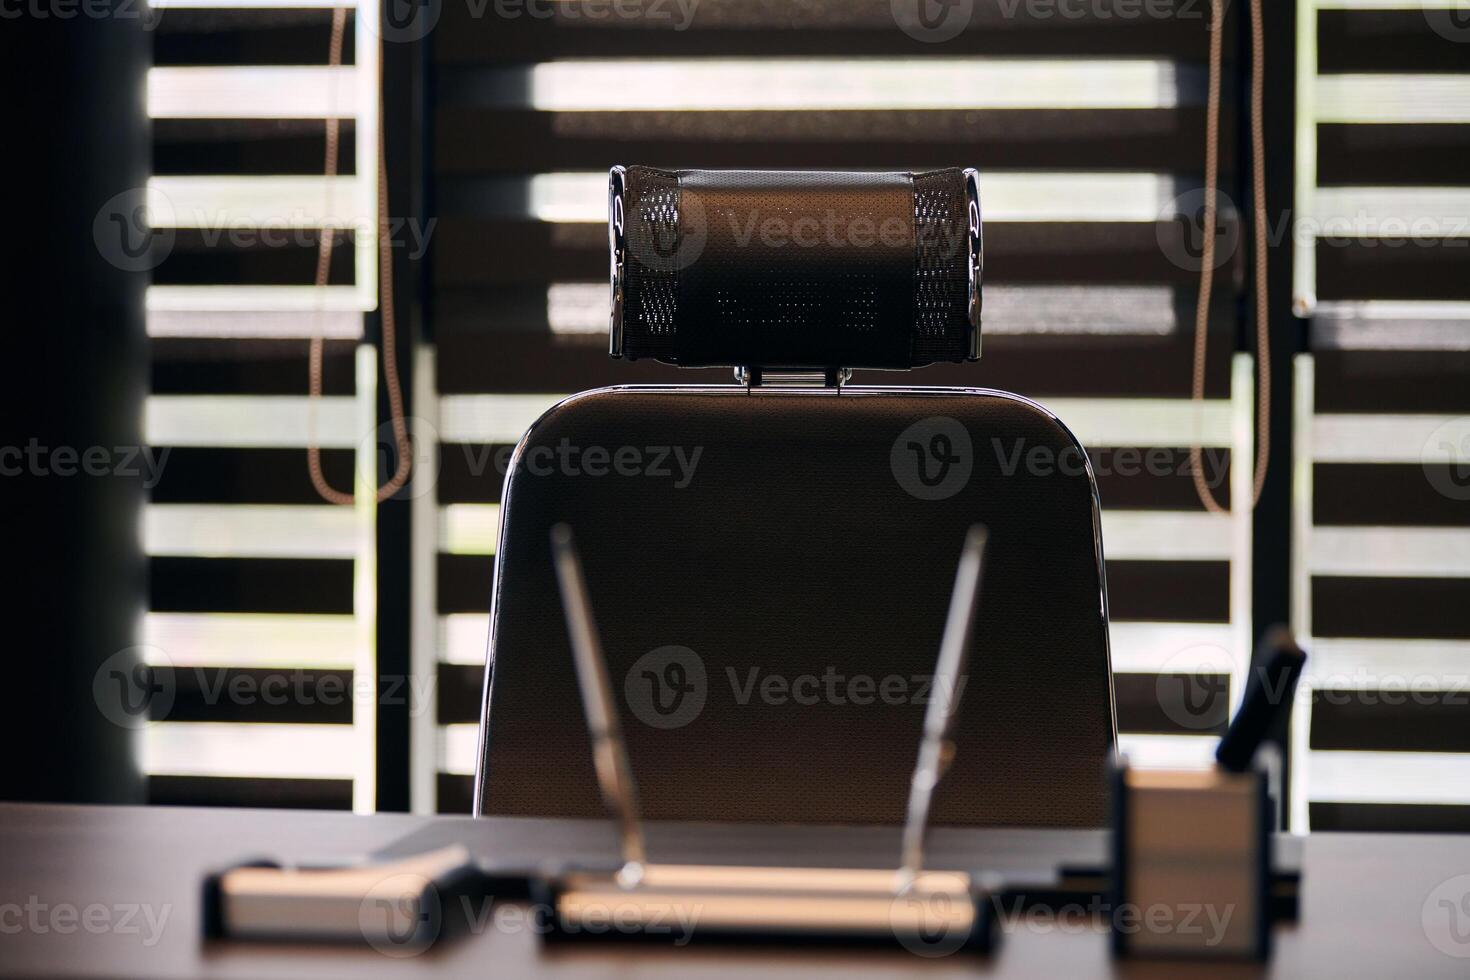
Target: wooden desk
column 1364, row 904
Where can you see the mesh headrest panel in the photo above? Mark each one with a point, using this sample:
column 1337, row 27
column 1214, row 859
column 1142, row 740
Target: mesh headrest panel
column 816, row 269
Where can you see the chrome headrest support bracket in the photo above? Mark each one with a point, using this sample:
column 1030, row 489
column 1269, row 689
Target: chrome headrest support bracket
column 758, row 377
column 976, row 240
column 617, row 235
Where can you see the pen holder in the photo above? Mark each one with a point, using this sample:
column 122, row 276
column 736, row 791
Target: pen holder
column 1191, row 853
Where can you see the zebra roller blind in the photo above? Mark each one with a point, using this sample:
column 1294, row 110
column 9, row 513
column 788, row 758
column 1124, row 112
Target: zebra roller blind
column 260, row 627
column 1382, row 482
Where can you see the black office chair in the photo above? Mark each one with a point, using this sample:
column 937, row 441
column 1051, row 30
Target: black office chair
column 815, row 537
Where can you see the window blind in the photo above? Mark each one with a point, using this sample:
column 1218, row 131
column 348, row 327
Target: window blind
column 262, row 600
column 1382, row 483
column 1088, row 132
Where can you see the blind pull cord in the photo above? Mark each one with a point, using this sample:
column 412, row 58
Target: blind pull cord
column 404, row 464
column 1207, row 269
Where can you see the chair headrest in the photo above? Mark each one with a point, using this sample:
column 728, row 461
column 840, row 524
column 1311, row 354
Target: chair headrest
column 795, row 269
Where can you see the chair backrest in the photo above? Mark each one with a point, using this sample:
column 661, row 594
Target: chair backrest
column 770, row 570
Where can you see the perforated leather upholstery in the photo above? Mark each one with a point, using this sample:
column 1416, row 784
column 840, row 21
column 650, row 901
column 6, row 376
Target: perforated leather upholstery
column 802, row 547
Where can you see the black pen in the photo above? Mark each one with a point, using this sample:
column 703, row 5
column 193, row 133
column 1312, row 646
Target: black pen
column 1268, row 695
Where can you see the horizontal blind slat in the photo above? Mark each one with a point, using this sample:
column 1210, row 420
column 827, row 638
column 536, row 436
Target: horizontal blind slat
column 253, row 92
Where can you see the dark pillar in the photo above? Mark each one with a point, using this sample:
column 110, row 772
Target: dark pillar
column 403, row 122
column 1271, row 544
column 75, row 269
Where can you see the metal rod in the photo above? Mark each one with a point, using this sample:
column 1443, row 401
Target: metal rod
column 609, row 753
column 936, row 750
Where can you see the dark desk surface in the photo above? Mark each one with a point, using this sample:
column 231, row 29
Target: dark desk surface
column 1371, row 905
